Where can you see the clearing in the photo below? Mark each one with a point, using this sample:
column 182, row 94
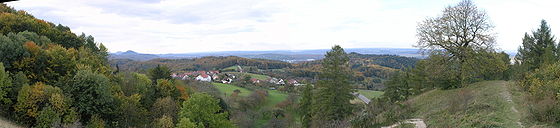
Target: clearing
column 274, row 96
column 228, row 89
column 370, row 93
column 256, row 76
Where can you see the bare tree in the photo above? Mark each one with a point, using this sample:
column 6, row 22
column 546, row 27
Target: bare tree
column 459, row 32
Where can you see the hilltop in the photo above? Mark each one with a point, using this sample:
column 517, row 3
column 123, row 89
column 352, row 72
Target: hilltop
column 482, row 104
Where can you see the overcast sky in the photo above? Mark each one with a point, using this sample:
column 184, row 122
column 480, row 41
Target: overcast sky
column 185, row 26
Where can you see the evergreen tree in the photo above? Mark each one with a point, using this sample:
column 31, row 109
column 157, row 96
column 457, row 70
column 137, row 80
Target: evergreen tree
column 5, row 87
column 538, row 49
column 159, row 72
column 332, row 100
column 305, row 106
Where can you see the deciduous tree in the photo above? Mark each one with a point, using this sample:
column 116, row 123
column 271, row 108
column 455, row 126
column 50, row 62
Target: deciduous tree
column 91, row 94
column 461, row 31
column 202, row 109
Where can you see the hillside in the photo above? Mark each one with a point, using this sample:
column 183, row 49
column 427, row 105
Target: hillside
column 483, row 104
column 195, row 64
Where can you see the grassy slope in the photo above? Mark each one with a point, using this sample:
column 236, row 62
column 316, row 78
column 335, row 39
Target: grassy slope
column 256, row 76
column 488, row 107
column 274, row 97
column 228, row 89
column 231, row 68
column 370, row 93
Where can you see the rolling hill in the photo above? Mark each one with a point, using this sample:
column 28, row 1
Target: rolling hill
column 292, row 56
column 482, row 104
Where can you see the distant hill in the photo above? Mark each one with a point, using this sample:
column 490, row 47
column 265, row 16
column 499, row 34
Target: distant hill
column 133, row 56
column 292, row 56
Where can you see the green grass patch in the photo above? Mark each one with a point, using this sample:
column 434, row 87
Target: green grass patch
column 275, row 97
column 228, row 89
column 256, row 76
column 370, row 93
column 231, row 68
column 482, row 104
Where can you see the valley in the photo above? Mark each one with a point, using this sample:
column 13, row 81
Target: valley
column 278, row 64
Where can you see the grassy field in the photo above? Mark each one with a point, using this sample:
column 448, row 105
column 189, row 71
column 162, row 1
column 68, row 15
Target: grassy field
column 256, row 76
column 228, row 89
column 483, row 104
column 370, row 93
column 231, row 68
column 274, row 96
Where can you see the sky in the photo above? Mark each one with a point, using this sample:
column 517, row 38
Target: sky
column 187, row 26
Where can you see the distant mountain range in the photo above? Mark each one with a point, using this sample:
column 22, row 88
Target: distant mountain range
column 282, row 55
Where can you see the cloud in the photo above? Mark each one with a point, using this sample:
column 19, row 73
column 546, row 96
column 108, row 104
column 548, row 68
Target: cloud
column 177, row 26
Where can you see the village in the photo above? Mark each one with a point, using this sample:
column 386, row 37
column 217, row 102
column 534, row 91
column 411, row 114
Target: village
column 230, row 77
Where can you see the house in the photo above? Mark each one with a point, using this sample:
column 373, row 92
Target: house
column 281, row 81
column 276, row 81
column 214, row 72
column 185, row 77
column 227, row 81
column 204, row 77
column 215, row 77
column 293, row 82
column 255, row 81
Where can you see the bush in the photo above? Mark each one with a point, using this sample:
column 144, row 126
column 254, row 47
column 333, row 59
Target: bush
column 380, row 112
column 461, row 101
column 545, row 110
column 543, row 84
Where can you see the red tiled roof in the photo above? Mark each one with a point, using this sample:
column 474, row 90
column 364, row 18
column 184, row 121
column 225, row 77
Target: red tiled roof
column 204, row 75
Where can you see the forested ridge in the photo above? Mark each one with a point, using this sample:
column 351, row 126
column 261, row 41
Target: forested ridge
column 51, row 77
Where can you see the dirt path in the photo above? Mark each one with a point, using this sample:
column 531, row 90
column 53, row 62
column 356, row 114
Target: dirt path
column 419, row 123
column 507, row 96
column 7, row 124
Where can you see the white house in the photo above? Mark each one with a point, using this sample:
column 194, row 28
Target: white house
column 185, row 77
column 204, row 77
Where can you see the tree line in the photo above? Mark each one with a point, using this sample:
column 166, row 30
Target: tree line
column 50, row 77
